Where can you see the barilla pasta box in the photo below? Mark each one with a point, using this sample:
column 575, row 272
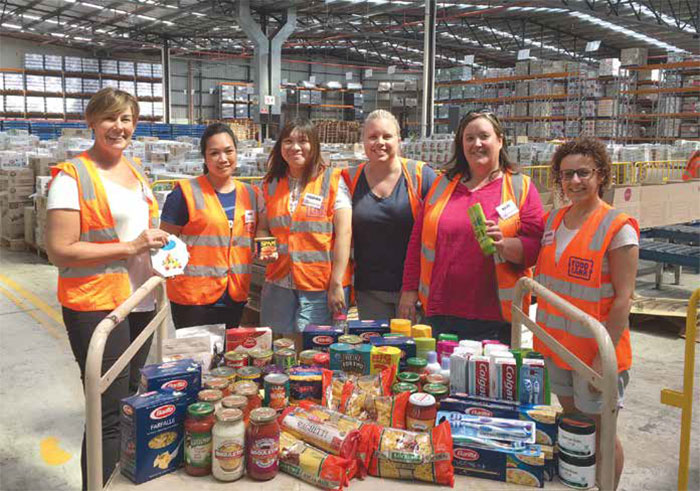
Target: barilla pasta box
column 404, row 343
column 173, row 376
column 368, row 328
column 152, row 433
column 321, row 337
column 246, row 339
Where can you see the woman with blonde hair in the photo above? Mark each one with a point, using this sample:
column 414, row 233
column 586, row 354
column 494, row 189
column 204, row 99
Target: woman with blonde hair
column 387, row 193
column 102, row 222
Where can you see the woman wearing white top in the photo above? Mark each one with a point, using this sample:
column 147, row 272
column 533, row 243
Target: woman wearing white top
column 100, row 228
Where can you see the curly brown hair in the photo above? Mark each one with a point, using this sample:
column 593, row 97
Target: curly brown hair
column 589, row 147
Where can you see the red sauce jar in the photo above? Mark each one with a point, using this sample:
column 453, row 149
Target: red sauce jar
column 219, row 383
column 198, row 438
column 421, row 412
column 250, row 391
column 262, row 444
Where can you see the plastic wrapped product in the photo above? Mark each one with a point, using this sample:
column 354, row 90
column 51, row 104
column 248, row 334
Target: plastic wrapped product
column 333, row 385
column 401, row 454
column 305, row 383
column 312, row 465
column 391, row 410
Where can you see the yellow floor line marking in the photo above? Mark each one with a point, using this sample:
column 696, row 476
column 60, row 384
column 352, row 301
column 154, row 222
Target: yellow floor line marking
column 33, row 299
column 26, row 308
column 52, row 453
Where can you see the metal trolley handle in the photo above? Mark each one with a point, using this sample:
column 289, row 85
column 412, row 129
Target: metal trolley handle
column 96, row 384
column 606, row 382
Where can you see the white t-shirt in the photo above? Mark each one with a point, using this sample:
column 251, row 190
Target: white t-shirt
column 129, row 209
column 627, row 236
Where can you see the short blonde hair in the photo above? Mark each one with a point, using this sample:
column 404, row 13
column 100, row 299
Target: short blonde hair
column 110, row 102
column 382, row 114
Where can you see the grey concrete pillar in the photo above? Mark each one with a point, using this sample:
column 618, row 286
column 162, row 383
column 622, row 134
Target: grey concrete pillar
column 427, row 116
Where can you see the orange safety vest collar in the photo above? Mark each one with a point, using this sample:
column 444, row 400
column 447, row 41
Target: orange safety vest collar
column 515, row 188
column 106, row 286
column 220, row 252
column 578, row 278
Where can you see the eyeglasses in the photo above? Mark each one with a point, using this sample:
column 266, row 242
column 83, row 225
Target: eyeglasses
column 584, row 173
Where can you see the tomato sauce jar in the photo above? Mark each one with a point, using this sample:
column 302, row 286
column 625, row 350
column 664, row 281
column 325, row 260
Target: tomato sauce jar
column 198, row 438
column 262, row 444
column 421, row 412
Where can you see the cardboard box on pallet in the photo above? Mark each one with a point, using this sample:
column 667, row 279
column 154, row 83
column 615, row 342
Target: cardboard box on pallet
column 29, row 224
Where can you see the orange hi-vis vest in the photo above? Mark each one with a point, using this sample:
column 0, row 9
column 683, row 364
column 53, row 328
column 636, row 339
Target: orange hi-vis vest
column 515, row 188
column 412, row 171
column 305, row 237
column 106, row 286
column 221, row 252
column 578, row 278
column 692, row 170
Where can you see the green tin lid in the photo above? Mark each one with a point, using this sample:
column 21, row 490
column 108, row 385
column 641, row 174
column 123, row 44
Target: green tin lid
column 400, row 387
column 200, row 409
column 409, row 377
column 416, row 362
column 448, row 337
column 437, row 390
column 425, row 344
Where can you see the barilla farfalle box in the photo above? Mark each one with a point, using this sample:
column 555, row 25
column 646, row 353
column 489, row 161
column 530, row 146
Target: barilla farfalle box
column 320, row 337
column 368, row 328
column 152, row 433
column 180, row 376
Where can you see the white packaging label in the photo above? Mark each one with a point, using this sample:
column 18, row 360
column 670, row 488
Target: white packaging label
column 576, row 477
column 313, row 201
column 576, row 445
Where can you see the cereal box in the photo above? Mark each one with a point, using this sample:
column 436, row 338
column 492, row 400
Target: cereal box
column 152, row 432
column 321, row 337
column 246, row 339
column 368, row 328
column 181, row 376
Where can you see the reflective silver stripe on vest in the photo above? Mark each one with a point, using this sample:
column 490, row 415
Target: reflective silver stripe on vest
column 550, row 220
column 310, row 256
column 506, row 294
column 153, row 221
column 242, row 241
column 352, row 174
column 87, row 187
column 423, row 289
column 428, row 253
column 516, row 181
column 412, row 171
column 283, row 249
column 212, row 271
column 326, row 183
column 442, row 184
column 560, row 323
column 197, row 194
column 251, row 196
column 599, row 236
column 108, row 234
column 205, row 240
column 580, row 292
column 281, row 221
column 315, row 227
column 240, row 269
column 115, row 267
column 272, row 187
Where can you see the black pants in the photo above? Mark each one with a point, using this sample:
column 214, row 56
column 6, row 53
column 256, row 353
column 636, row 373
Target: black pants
column 202, row 315
column 475, row 329
column 80, row 326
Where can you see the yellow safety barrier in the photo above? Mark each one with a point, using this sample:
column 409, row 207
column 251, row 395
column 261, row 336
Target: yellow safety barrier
column 684, row 400
column 623, row 173
column 170, row 183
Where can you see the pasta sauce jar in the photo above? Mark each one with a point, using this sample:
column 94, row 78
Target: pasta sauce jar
column 229, row 445
column 198, row 438
column 262, row 444
column 421, row 412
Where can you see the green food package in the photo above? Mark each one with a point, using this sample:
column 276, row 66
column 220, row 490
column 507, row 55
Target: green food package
column 478, row 221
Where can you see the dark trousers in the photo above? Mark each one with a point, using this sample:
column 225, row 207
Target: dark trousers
column 475, row 329
column 80, row 326
column 202, row 315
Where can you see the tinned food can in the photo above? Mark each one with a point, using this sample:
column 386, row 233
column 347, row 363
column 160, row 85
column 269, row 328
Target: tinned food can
column 266, row 247
column 260, row 357
column 276, row 391
column 251, row 374
column 306, row 357
column 282, row 344
column 322, row 360
column 235, row 359
column 285, row 358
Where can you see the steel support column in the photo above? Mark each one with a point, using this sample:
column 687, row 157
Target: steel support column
column 427, row 117
column 165, row 57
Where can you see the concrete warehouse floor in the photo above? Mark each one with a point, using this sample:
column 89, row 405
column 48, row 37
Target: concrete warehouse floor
column 42, row 404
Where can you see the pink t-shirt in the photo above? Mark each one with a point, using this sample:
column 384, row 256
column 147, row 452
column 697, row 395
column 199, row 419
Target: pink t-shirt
column 463, row 283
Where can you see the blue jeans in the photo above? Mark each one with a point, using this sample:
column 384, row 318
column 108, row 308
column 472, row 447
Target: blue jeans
column 288, row 311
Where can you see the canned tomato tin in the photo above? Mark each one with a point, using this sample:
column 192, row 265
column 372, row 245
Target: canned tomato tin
column 249, row 374
column 350, row 339
column 260, row 357
column 400, row 387
column 285, row 358
column 306, row 357
column 282, row 344
column 276, row 391
column 236, row 360
column 322, row 360
column 218, row 383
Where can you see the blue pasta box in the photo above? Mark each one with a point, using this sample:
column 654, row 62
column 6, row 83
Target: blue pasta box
column 368, row 328
column 404, row 343
column 152, row 433
column 320, row 337
column 181, row 376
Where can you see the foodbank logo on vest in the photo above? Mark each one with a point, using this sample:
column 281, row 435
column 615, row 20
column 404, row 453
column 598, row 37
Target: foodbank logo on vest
column 580, row 268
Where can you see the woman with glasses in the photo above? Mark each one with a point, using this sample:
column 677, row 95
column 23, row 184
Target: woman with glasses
column 309, row 212
column 462, row 290
column 387, row 192
column 588, row 257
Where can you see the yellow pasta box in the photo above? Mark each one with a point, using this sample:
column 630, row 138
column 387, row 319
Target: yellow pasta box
column 152, row 432
column 382, row 357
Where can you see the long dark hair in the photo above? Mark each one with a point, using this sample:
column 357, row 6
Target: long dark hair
column 211, row 130
column 458, row 162
column 276, row 165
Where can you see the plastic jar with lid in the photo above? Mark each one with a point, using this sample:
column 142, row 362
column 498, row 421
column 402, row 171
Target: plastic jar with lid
column 198, row 438
column 262, row 444
column 416, row 365
column 577, row 472
column 212, row 396
column 234, row 401
column 250, row 391
column 220, row 383
column 228, row 435
column 421, row 412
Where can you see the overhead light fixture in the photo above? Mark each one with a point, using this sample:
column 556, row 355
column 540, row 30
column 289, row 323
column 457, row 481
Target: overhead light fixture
column 57, row 34
column 78, row 38
column 91, row 5
column 10, row 26
column 199, row 14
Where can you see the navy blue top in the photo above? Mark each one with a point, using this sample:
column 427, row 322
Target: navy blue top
column 175, row 212
column 381, row 229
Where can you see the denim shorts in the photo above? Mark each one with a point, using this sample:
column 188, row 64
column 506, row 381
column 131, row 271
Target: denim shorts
column 288, row 311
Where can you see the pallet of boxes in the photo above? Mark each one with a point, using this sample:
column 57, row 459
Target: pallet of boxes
column 35, row 230
column 16, row 187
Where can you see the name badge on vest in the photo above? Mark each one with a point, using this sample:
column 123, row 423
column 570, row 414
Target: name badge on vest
column 313, row 201
column 507, row 210
column 548, row 238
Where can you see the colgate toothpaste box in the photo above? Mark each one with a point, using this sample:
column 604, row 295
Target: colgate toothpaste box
column 152, row 433
column 320, row 337
column 173, row 376
column 479, row 376
column 368, row 328
column 504, row 379
column 404, row 343
column 245, row 339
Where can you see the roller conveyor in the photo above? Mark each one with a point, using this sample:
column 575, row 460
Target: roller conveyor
column 665, row 252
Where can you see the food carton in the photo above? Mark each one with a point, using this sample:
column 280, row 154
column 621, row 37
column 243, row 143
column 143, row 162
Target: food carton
column 181, row 376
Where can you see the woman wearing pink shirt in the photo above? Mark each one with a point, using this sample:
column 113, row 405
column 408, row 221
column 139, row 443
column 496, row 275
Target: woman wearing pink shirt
column 463, row 291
